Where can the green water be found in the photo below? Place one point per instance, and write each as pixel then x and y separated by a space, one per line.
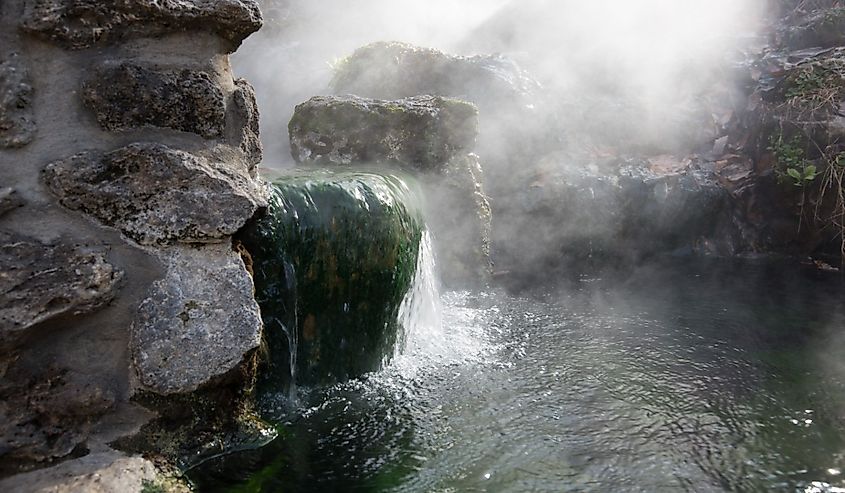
pixel 680 376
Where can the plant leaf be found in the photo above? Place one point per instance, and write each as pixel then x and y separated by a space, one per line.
pixel 793 173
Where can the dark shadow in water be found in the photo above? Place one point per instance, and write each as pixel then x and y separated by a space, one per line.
pixel 706 375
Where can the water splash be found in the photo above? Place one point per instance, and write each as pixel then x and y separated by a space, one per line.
pixel 420 314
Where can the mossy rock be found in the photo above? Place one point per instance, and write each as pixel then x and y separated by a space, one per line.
pixel 421 133
pixel 334 257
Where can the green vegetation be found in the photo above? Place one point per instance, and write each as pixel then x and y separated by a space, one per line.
pixel 791 161
pixel 817 84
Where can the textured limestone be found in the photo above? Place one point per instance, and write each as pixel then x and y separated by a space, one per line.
pixel 198 323
pixel 9 200
pixel 104 472
pixel 128 96
pixel 47 416
pixel 423 132
pixel 158 195
pixel 40 281
pixel 17 124
pixel 245 123
pixel 78 24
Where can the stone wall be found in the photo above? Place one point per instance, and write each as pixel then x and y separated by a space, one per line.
pixel 128 155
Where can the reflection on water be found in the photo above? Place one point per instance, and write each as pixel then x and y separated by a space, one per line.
pixel 715 376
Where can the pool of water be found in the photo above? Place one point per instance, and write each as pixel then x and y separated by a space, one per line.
pixel 679 376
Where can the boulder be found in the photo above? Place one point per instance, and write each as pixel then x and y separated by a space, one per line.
pixel 198 324
pixel 127 96
pixel 422 132
pixel 570 215
pixel 390 70
pixel 40 281
pixel 333 260
pixel 514 122
pixel 78 24
pixel 17 123
pixel 158 195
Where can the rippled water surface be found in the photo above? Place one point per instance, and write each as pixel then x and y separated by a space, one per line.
pixel 712 376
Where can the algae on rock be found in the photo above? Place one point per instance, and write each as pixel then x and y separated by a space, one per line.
pixel 333 260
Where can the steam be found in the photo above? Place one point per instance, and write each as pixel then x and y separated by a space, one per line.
pixel 290 59
pixel 618 79
pixel 653 57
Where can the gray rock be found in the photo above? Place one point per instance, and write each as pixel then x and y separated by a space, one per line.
pixel 102 472
pixel 78 24
pixel 568 215
pixel 821 28
pixel 423 132
pixel 9 200
pixel 158 195
pixel 40 281
pixel 198 323
pixel 17 124
pixel 515 121
pixel 47 415
pixel 128 96
pixel 390 70
pixel 246 121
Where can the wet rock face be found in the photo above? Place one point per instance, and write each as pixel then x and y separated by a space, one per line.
pixel 333 259
pixel 128 96
pixel 821 28
pixel 422 132
pixel 570 215
pixel 198 323
pixel 17 124
pixel 246 123
pixel 41 281
pixel 157 195
pixel 78 24
pixel 460 220
pixel 794 120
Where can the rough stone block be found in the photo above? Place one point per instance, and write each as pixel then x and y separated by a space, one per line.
pixel 423 132
pixel 17 124
pixel 128 96
pixel 158 195
pixel 78 24
pixel 40 281
pixel 246 121
pixel 198 323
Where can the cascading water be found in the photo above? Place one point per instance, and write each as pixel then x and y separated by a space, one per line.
pixel 420 317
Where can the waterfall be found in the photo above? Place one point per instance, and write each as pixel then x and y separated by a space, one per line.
pixel 420 314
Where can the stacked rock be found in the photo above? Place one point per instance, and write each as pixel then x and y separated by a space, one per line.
pixel 128 157
pixel 430 136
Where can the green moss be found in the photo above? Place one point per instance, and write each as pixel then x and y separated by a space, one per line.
pixel 333 258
